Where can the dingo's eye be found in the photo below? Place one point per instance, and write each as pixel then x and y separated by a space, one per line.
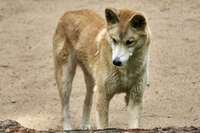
pixel 128 42
pixel 114 40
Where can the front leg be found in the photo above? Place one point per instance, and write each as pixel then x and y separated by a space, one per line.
pixel 134 108
pixel 102 108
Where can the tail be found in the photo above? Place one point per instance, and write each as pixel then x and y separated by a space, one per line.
pixel 59 51
pixel 58 39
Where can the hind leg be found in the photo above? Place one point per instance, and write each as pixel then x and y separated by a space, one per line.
pixel 64 76
pixel 85 122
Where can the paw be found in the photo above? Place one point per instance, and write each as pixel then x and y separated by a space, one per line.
pixel 67 127
pixel 85 126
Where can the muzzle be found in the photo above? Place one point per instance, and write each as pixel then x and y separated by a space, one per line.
pixel 117 62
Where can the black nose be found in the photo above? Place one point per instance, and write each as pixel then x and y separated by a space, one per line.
pixel 117 62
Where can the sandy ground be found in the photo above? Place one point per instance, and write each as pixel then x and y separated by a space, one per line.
pixel 28 91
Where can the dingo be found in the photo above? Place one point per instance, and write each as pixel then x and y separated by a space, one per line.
pixel 113 54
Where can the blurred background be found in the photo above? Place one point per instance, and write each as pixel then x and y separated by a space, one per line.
pixel 28 91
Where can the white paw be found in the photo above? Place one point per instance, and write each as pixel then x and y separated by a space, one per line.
pixel 85 127
pixel 67 127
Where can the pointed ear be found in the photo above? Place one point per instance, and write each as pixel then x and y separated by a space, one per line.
pixel 138 21
pixel 111 16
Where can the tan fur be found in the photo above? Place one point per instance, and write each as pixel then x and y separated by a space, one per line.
pixel 84 38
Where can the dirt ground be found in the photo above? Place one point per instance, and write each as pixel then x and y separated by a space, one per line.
pixel 28 91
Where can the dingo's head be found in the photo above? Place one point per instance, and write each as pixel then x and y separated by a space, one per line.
pixel 126 32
